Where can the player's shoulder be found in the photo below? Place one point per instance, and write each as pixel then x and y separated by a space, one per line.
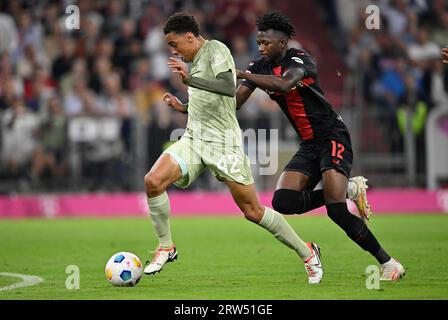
pixel 256 63
pixel 298 55
pixel 217 45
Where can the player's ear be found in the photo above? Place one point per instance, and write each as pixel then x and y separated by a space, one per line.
pixel 189 36
pixel 283 43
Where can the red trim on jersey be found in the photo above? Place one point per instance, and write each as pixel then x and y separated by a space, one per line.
pixel 277 71
pixel 296 108
pixel 308 81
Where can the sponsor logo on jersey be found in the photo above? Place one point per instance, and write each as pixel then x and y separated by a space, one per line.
pixel 298 60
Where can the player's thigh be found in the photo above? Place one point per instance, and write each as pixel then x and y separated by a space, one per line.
pixel 293 180
pixel 334 186
pixel 300 173
pixel 245 196
pixel 336 153
pixel 228 163
pixel 336 160
pixel 187 154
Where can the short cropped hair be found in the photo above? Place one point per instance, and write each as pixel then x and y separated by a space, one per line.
pixel 181 22
pixel 275 20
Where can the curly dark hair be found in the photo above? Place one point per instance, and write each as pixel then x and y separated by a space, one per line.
pixel 276 21
pixel 181 22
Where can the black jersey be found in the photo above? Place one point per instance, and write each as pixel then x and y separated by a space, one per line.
pixel 311 115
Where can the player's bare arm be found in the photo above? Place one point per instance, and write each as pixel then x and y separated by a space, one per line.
pixel 282 84
pixel 242 94
pixel 445 55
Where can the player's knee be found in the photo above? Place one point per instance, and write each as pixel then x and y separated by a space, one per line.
pixel 153 184
pixel 253 213
pixel 277 201
pixel 285 201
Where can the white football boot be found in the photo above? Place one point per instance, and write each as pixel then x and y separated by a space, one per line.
pixel 161 257
pixel 357 192
pixel 313 266
pixel 392 270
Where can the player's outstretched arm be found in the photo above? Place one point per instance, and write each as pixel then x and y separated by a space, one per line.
pixel 274 83
pixel 223 84
pixel 445 55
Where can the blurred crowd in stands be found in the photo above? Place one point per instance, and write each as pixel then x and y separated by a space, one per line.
pixel 114 65
pixel 399 67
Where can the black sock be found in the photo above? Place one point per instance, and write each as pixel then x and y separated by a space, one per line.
pixel 357 230
pixel 382 256
pixel 288 201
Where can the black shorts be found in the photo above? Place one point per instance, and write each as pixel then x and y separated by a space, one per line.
pixel 334 151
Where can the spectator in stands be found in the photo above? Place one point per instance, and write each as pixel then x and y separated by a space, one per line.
pixel 424 50
pixel 114 101
pixel 155 47
pixel 100 71
pixel 80 100
pixel 439 84
pixel 38 88
pixel 49 157
pixel 240 52
pixel 30 61
pixel 30 33
pixel 411 117
pixel 63 63
pixel 78 71
pixel 9 38
pixel 127 49
pixel 235 18
pixel 397 14
pixel 18 126
pixel 115 15
pixel 8 93
pixel 440 32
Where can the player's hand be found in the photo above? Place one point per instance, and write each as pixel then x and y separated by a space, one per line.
pixel 178 67
pixel 445 55
pixel 240 74
pixel 173 102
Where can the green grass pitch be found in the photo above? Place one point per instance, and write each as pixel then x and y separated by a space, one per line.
pixel 222 258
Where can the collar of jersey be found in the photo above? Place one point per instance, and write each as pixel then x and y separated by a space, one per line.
pixel 196 57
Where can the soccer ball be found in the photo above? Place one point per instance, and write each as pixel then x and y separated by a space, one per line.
pixel 124 269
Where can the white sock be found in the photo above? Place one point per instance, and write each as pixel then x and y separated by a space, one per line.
pixel 276 224
pixel 159 208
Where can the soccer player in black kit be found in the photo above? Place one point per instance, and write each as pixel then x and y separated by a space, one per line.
pixel 289 76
